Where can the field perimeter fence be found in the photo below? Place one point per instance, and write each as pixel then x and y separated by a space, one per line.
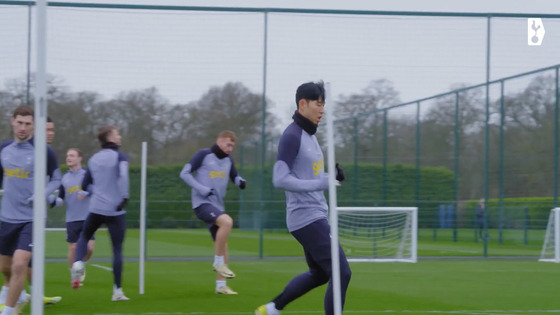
pixel 434 109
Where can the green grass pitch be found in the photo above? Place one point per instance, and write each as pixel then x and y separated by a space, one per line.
pixel 187 286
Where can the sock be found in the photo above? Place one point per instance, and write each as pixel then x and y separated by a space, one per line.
pixel 22 296
pixel 218 260
pixel 8 310
pixel 117 290
pixel 3 294
pixel 220 283
pixel 271 309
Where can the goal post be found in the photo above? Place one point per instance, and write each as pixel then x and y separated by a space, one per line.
pixel 379 234
pixel 551 246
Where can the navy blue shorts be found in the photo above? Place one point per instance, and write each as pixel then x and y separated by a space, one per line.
pixel 15 236
pixel 73 230
pixel 208 213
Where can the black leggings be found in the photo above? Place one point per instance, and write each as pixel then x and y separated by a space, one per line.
pixel 117 229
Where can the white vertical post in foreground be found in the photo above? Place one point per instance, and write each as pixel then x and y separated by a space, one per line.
pixel 142 257
pixel 333 215
pixel 40 171
pixel 557 234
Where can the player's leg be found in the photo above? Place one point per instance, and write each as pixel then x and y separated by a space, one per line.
pixel 92 223
pixel 6 266
pixel 317 242
pixel 73 231
pixel 224 223
pixel 21 261
pixel 90 248
pixel 315 239
pixel 310 238
pixel 117 229
pixel 345 275
pixel 8 244
pixel 220 225
pixel 221 281
pixel 20 264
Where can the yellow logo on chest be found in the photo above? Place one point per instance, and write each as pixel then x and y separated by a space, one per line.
pixel 217 174
pixel 318 166
pixel 16 172
pixel 73 189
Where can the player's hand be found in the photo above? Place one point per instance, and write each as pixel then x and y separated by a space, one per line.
pixel 242 184
pixel 82 195
pixel 51 200
pixel 29 201
pixel 339 173
pixel 211 192
pixel 121 206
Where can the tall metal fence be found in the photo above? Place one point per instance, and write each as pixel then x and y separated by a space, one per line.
pixel 433 109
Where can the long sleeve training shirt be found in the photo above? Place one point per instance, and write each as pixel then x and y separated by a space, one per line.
pixel 211 168
pixel 108 172
pixel 17 170
pixel 299 170
pixel 71 185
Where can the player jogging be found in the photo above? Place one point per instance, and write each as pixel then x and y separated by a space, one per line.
pixel 299 170
pixel 212 168
pixel 77 210
pixel 108 173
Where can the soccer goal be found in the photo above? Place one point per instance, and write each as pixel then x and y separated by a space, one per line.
pixel 378 234
pixel 551 247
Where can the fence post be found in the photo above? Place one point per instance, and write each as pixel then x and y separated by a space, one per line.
pixel 435 225
pixel 526 226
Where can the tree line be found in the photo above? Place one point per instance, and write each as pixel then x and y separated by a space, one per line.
pixel 452 127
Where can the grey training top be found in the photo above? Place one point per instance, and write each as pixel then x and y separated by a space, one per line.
pixel 108 172
pixel 17 165
pixel 76 210
pixel 212 170
pixel 299 170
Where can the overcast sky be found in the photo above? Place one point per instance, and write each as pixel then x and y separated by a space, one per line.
pixel 183 53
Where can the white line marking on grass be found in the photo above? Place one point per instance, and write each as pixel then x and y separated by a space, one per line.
pixel 111 269
pixel 466 312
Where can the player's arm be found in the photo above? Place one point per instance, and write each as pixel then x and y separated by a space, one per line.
pixel 234 176
pixel 4 144
pixel 123 180
pixel 57 200
pixel 192 166
pixel 87 185
pixel 283 177
pixel 53 172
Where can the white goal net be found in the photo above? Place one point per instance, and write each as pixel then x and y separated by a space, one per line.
pixel 551 246
pixel 378 234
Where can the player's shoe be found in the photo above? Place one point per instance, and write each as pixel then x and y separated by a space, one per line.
pixel 51 300
pixel 21 303
pixel 261 310
pixel 224 271
pixel 2 307
pixel 83 277
pixel 78 270
pixel 118 295
pixel 225 290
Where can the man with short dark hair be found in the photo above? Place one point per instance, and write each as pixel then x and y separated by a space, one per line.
pixel 16 216
pixel 212 168
pixel 50 130
pixel 299 170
